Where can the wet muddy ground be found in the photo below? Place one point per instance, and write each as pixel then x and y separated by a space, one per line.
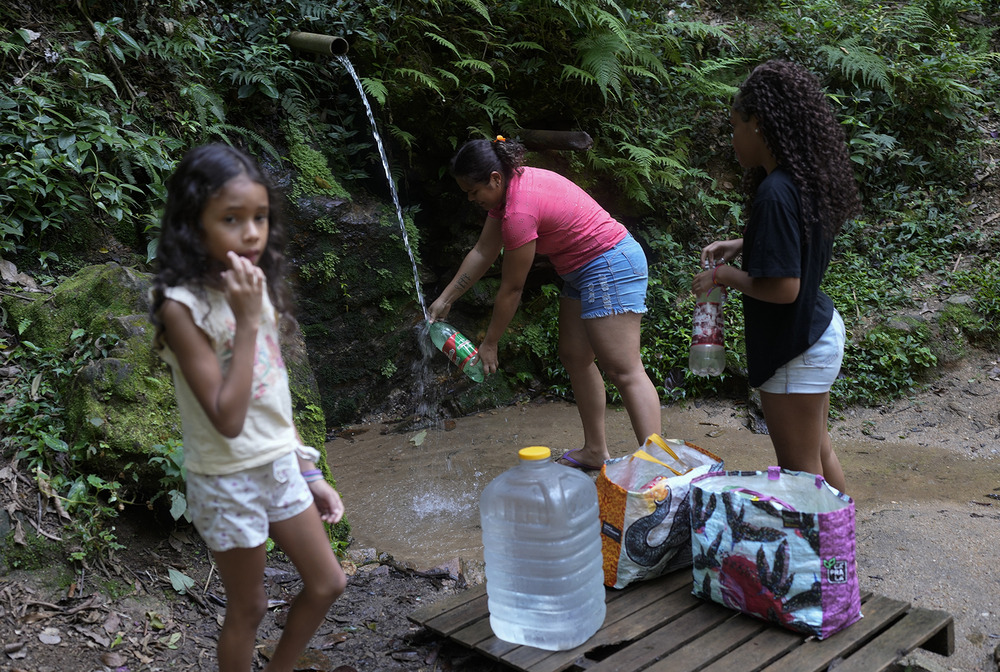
pixel 924 473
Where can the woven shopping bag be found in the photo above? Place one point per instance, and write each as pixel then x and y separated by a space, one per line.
pixel 778 545
pixel 643 501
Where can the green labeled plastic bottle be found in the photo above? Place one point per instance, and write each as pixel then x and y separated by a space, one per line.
pixel 459 349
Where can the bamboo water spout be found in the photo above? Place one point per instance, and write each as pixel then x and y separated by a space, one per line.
pixel 329 45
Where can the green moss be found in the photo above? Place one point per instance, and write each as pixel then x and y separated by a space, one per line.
pixel 315 176
pixel 37 553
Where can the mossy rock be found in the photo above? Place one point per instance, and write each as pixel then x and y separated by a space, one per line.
pixel 123 404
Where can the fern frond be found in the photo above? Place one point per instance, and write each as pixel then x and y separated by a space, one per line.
pixel 915 18
pixel 204 98
pixel 404 138
pixel 573 72
pixel 421 78
pixel 316 10
pixel 613 24
pixel 375 88
pixel 295 104
pixel 449 75
pixel 252 136
pixel 497 106
pixel 856 59
pixel 600 56
pixel 526 46
pixel 434 37
pixel 701 30
pixel 476 64
pixel 479 8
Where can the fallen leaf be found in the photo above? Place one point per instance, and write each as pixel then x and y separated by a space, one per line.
pixel 418 438
pixel 334 639
pixel 154 620
pixel 180 581
pixel 112 623
pixel 112 659
pixel 49 636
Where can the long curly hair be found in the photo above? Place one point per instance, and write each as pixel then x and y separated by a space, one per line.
pixel 181 256
pixel 476 160
pixel 799 128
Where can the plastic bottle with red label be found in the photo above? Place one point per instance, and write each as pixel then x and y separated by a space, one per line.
pixel 708 341
pixel 458 348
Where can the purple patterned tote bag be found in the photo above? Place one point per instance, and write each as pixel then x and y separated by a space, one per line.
pixel 778 545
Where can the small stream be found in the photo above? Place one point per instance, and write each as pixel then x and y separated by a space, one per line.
pixel 416 495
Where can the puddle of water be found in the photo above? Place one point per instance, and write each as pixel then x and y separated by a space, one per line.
pixel 420 503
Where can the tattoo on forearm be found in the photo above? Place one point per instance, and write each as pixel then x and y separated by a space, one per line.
pixel 462 282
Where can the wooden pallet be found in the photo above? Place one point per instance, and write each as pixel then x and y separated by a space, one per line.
pixel 658 626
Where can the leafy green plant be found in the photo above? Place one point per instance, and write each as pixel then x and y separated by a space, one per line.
pixel 886 363
pixel 33 432
pixel 171 460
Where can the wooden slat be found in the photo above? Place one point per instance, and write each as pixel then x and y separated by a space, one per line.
pixel 438 607
pixel 615 630
pixel 711 645
pixel 817 654
pixel 758 652
pixel 665 640
pixel 475 633
pixel 460 617
pixel 912 631
pixel 666 629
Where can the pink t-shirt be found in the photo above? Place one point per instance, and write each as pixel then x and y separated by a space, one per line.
pixel 567 224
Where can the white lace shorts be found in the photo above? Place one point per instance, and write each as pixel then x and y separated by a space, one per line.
pixel 236 510
pixel 816 369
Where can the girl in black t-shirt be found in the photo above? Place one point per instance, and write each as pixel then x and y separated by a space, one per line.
pixel 802 190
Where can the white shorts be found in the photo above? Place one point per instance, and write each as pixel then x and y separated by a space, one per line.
pixel 816 369
pixel 236 510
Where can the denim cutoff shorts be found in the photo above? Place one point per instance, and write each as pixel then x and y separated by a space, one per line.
pixel 816 369
pixel 236 510
pixel 613 283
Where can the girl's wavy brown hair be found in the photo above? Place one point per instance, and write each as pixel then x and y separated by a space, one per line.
pixel 799 128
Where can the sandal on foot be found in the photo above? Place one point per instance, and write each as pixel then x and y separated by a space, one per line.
pixel 576 464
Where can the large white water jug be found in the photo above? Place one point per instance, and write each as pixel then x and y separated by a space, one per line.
pixel 542 549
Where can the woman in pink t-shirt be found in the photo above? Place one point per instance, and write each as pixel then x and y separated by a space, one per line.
pixel 534 211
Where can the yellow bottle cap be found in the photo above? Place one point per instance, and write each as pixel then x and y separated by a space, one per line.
pixel 534 453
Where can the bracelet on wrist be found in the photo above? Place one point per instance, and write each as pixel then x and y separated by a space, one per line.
pixel 312 475
pixel 714 271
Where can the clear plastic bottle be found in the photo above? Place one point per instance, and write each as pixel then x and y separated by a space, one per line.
pixel 459 349
pixel 708 341
pixel 542 549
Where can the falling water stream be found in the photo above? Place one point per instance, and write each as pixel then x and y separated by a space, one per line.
pixel 421 367
pixel 346 62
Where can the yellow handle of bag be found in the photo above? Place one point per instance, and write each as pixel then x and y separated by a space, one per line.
pixel 643 455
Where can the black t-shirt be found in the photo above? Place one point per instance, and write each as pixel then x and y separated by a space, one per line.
pixel 775 246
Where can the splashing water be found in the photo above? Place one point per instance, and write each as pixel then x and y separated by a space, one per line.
pixel 388 176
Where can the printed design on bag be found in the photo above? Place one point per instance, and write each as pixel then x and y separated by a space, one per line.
pixel 637 535
pixel 746 531
pixel 701 511
pixel 757 586
pixel 836 570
